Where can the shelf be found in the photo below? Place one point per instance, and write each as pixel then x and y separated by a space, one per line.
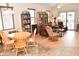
pixel 42 20
pixel 26 22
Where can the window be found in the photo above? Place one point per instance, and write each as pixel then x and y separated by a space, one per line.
pixel 1 28
pixel 68 19
pixel 32 13
pixel 6 20
pixel 48 12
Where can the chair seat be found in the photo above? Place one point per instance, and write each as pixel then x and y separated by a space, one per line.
pixel 21 45
pixel 55 34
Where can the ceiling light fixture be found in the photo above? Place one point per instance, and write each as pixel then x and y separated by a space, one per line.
pixel 59 6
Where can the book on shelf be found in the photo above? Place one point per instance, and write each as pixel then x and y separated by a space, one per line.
pixel 26 21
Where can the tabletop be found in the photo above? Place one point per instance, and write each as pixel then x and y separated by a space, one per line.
pixel 12 34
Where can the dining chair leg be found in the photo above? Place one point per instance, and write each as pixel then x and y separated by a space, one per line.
pixel 25 50
pixel 5 47
pixel 17 52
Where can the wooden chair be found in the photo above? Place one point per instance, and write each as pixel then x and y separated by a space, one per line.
pixel 33 38
pixel 35 31
pixel 52 35
pixel 21 41
pixel 34 34
pixel 8 44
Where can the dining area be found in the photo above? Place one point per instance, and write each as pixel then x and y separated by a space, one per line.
pixel 18 42
pixel 26 30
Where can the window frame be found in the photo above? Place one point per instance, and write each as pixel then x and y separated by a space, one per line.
pixel 32 9
pixel 3 29
pixel 34 13
pixel 48 15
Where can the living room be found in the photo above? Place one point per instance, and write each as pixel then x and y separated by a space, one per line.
pixel 52 28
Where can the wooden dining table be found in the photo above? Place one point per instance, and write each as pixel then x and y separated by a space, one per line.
pixel 30 39
pixel 12 34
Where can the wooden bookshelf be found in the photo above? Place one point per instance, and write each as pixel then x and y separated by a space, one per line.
pixel 42 21
pixel 26 21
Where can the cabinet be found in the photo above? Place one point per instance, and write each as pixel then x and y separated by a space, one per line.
pixel 26 21
pixel 42 21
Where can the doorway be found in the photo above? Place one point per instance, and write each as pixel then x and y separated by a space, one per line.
pixel 68 19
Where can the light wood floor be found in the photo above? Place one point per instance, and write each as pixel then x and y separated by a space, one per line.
pixel 69 39
pixel 68 45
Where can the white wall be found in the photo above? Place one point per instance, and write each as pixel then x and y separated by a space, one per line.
pixel 67 8
pixel 19 7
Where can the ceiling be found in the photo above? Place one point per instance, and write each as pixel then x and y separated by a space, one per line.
pixel 64 4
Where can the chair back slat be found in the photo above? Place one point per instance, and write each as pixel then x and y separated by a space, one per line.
pixel 4 37
pixel 21 38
